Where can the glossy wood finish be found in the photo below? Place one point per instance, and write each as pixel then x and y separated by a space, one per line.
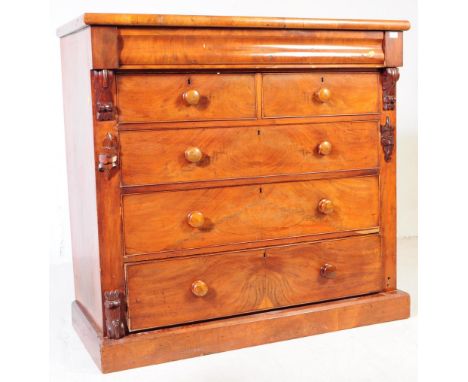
pixel 393 48
pixel 294 94
pixel 154 157
pixel 107 190
pixel 388 203
pixel 146 98
pixel 105 47
pixel 157 221
pixel 236 165
pixel 146 20
pixel 250 330
pixel 187 47
pixel 161 293
pixel 79 137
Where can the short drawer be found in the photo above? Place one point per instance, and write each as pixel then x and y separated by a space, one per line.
pixel 185 97
pixel 154 157
pixel 310 94
pixel 175 291
pixel 176 220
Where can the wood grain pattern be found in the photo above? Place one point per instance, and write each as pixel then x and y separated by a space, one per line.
pixel 247 180
pixel 105 46
pixel 388 201
pixel 294 94
pixel 79 135
pixel 146 98
pixel 193 340
pixel 143 98
pixel 155 20
pixel 158 221
pixel 107 191
pixel 188 46
pixel 393 48
pixel 155 157
pixel 248 245
pixel 128 126
pixel 159 293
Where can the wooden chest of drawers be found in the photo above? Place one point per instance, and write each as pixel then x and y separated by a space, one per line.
pixel 231 180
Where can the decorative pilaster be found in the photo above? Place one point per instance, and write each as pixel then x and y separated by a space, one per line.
pixel 389 78
pixel 113 309
pixel 105 108
pixel 387 139
pixel 108 156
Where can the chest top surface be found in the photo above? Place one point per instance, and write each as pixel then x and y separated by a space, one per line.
pixel 155 20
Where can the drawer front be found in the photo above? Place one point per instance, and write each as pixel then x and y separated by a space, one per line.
pixel 301 95
pixel 175 291
pixel 176 220
pixel 185 97
pixel 152 157
pixel 230 47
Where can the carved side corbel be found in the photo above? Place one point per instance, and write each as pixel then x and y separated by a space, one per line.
pixel 387 139
pixel 390 77
pixel 103 81
pixel 114 313
pixel 109 156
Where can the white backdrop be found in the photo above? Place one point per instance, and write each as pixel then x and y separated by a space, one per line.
pixel 63 11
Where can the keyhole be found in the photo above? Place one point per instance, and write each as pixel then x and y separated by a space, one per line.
pixel 189 81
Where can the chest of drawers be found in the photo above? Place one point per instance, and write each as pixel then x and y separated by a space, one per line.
pixel 231 180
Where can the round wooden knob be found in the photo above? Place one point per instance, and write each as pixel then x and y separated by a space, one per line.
pixel 323 95
pixel 324 148
pixel 195 219
pixel 193 154
pixel 325 206
pixel 192 97
pixel 328 271
pixel 199 288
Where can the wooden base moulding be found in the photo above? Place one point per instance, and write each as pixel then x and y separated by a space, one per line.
pixel 186 341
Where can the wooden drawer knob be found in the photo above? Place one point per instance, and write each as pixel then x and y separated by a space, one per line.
pixel 328 271
pixel 193 154
pixel 325 206
pixel 199 288
pixel 192 97
pixel 324 148
pixel 323 95
pixel 195 219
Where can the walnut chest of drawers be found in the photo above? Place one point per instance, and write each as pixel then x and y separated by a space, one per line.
pixel 231 180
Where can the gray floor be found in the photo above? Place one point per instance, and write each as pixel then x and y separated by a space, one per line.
pixel 384 352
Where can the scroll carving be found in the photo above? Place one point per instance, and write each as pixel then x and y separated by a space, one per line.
pixel 113 308
pixel 105 109
pixel 387 139
pixel 108 157
pixel 390 77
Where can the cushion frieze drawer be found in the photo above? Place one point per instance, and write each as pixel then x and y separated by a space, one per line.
pixel 320 93
pixel 185 97
pixel 175 220
pixel 152 157
pixel 174 291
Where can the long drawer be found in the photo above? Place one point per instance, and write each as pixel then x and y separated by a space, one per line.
pixel 175 220
pixel 152 157
pixel 175 291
